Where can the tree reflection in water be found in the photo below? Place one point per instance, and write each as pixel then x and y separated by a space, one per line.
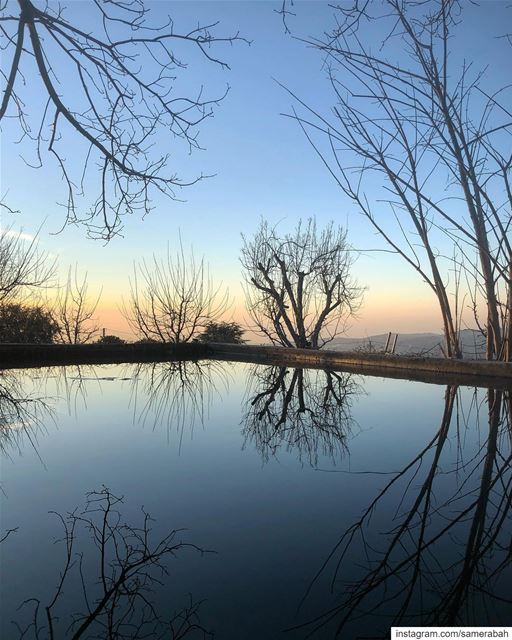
pixel 302 410
pixel 444 554
pixel 433 547
pixel 112 581
pixel 177 395
pixel 25 413
pixel 73 383
pixel 22 415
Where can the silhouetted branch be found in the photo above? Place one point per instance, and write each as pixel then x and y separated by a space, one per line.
pixel 299 287
pixel 419 123
pixel 111 92
pixel 8 533
pixel 73 311
pixel 173 299
pixel 24 268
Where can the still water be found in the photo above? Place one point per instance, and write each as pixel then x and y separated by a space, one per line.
pixel 177 500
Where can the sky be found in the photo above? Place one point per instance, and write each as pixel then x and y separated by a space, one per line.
pixel 261 165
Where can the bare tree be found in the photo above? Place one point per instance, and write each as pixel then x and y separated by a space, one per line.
pixel 173 299
pixel 23 266
pixel 299 287
pixel 438 138
pixel 74 311
pixel 111 91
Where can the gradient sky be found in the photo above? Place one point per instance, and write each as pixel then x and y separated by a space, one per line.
pixel 263 165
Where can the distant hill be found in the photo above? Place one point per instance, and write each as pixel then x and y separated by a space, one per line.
pixel 473 343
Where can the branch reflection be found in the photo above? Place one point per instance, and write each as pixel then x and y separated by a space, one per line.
pixel 109 579
pixel 440 554
pixel 28 399
pixel 176 394
pixel 23 414
pixel 73 382
pixel 302 410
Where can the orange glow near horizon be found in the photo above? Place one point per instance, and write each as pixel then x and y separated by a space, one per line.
pixel 380 313
pixel 111 319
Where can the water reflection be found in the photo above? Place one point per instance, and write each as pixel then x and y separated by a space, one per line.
pixel 440 553
pixel 176 395
pixel 301 410
pixel 116 567
pixel 431 546
pixel 73 383
pixel 28 400
pixel 304 411
pixel 23 416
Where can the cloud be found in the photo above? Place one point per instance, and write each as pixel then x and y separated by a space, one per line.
pixel 12 233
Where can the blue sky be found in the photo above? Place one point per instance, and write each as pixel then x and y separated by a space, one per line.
pixel 263 165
